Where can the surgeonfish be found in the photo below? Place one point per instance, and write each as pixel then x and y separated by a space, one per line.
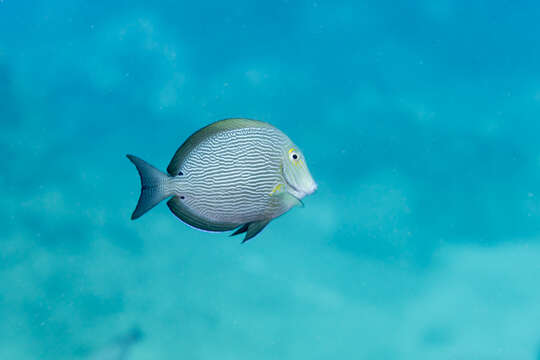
pixel 232 174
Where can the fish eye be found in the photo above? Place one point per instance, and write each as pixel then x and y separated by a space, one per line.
pixel 294 155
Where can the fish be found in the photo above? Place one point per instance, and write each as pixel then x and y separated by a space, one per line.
pixel 120 347
pixel 232 174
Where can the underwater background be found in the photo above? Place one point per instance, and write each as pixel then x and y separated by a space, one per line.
pixel 419 121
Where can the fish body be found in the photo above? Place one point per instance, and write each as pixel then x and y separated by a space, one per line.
pixel 234 173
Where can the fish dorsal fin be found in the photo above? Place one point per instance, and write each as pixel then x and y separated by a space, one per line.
pixel 200 135
pixel 251 229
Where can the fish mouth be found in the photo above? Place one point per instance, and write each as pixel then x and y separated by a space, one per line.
pixel 297 192
pixel 294 187
pixel 313 189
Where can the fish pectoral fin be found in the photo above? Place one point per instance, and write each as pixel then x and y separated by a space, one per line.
pixel 289 199
pixel 251 229
pixel 278 189
pixel 280 192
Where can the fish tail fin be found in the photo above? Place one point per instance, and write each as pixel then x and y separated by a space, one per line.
pixel 154 186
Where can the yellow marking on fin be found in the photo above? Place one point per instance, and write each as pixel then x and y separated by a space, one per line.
pixel 276 188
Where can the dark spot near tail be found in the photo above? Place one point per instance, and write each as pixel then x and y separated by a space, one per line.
pixel 180 173
pixel 182 197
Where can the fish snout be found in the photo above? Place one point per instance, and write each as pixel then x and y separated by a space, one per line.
pixel 312 188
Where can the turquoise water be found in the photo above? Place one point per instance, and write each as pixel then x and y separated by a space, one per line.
pixel 420 124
